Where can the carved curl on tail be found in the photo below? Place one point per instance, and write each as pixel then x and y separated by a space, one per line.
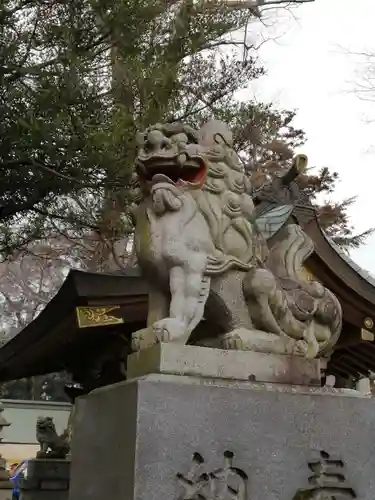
pixel 287 260
pixel 282 301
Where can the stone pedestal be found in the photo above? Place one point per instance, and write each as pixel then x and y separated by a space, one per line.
pixel 5 485
pixel 6 488
pixel 4 474
pixel 167 437
pixel 47 479
pixel 177 359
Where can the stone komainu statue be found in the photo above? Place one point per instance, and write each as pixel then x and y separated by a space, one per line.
pixel 51 444
pixel 199 246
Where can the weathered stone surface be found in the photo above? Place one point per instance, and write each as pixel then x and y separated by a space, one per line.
pixel 36 484
pixel 6 485
pixel 54 484
pixel 48 469
pixel 44 495
pixel 226 364
pixel 47 479
pixel 4 474
pixel 131 440
pixel 202 245
pixel 6 490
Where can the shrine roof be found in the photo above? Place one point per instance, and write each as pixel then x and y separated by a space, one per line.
pixel 366 275
pixel 57 338
pixel 338 271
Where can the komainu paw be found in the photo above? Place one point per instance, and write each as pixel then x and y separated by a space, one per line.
pixel 170 330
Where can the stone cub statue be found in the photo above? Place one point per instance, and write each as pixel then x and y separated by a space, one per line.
pixel 51 444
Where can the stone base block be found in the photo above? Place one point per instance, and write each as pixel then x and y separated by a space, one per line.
pixel 44 495
pixel 6 488
pixel 170 358
pixel 48 469
pixel 182 438
pixel 47 479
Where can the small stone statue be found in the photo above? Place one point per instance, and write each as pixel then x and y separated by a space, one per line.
pixel 200 246
pixel 51 444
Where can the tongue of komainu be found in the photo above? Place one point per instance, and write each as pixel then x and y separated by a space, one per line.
pixel 161 178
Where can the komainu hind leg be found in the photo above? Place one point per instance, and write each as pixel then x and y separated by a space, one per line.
pixel 242 339
pixel 251 324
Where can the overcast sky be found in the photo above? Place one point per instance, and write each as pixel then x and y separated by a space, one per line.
pixel 308 70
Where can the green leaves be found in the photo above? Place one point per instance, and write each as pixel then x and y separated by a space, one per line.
pixel 77 79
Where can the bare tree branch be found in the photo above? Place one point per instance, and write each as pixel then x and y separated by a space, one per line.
pixel 255 5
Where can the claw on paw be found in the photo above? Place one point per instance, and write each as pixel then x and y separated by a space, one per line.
pixel 142 339
pixel 170 330
pixel 257 340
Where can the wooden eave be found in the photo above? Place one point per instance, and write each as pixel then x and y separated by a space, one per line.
pixel 54 341
pixel 355 290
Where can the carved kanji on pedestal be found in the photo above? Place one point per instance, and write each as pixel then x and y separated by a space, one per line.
pixel 225 483
pixel 327 481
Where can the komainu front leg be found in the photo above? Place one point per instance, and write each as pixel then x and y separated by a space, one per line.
pixel 189 292
pixel 158 303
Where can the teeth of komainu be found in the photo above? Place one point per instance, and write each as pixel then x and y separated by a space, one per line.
pixel 181 159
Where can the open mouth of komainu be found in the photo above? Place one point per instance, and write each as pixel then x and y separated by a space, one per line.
pixel 180 170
